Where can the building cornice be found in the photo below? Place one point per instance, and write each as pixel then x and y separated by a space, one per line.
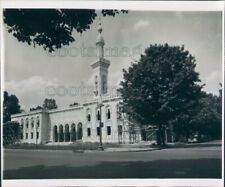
pixel 30 113
pixel 65 109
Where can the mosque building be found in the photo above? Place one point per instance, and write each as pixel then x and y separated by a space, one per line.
pixel 86 121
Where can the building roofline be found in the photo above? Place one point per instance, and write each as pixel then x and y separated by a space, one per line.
pixel 65 109
pixel 105 98
pixel 28 113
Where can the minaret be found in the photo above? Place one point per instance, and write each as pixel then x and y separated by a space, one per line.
pixel 100 67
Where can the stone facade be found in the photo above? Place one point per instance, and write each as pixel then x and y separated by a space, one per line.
pixel 80 122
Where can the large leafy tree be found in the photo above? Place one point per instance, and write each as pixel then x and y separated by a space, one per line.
pixel 10 106
pixel 50 28
pixel 162 86
pixel 208 116
pixel 205 119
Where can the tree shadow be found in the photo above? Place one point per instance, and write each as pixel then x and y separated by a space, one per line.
pixel 190 168
pixel 200 145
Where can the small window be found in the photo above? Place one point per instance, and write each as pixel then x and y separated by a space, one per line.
pixel 32 135
pixel 104 89
pixel 108 130
pixel 21 136
pixel 88 114
pixel 98 131
pixel 96 80
pixel 89 117
pixel 96 84
pixel 98 115
pixel 32 122
pixel 27 123
pixel 37 135
pixel 38 122
pixel 26 135
pixel 88 131
pixel 108 114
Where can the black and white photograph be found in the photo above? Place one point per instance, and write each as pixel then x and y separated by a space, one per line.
pixel 112 94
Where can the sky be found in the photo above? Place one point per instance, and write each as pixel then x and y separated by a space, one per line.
pixel 33 74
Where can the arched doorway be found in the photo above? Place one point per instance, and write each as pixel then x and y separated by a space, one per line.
pixel 79 131
pixel 55 134
pixel 61 134
pixel 67 133
pixel 73 132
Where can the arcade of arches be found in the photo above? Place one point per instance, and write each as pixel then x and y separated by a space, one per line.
pixel 67 133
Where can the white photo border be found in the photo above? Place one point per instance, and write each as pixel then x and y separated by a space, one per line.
pixel 130 5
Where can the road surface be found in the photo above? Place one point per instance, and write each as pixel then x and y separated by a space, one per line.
pixel 197 161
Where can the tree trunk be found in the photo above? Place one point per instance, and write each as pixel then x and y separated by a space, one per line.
pixel 161 136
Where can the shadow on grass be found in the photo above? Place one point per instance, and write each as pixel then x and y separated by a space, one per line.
pixel 193 168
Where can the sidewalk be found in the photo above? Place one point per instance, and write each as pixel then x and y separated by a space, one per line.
pixel 132 149
pixel 146 147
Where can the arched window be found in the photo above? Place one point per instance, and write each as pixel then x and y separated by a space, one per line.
pixel 61 133
pixel 55 134
pixel 88 114
pixel 22 123
pixel 79 131
pixel 38 121
pixel 27 123
pixel 32 122
pixel 108 112
pixel 73 132
pixel 98 115
pixel 67 133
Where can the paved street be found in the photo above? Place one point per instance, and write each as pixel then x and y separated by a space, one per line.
pixel 194 161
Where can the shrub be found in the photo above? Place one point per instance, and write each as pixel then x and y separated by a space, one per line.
pixel 11 133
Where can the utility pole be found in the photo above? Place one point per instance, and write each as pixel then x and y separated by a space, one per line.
pixel 36 133
pixel 100 105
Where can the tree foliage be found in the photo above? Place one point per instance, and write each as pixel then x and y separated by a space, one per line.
pixel 50 28
pixel 74 104
pixel 49 104
pixel 162 86
pixel 10 106
pixel 208 117
pixel 36 108
pixel 11 133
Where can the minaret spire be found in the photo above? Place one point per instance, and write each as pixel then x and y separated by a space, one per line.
pixel 100 66
pixel 100 42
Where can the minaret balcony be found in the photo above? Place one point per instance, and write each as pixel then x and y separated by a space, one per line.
pixel 102 62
